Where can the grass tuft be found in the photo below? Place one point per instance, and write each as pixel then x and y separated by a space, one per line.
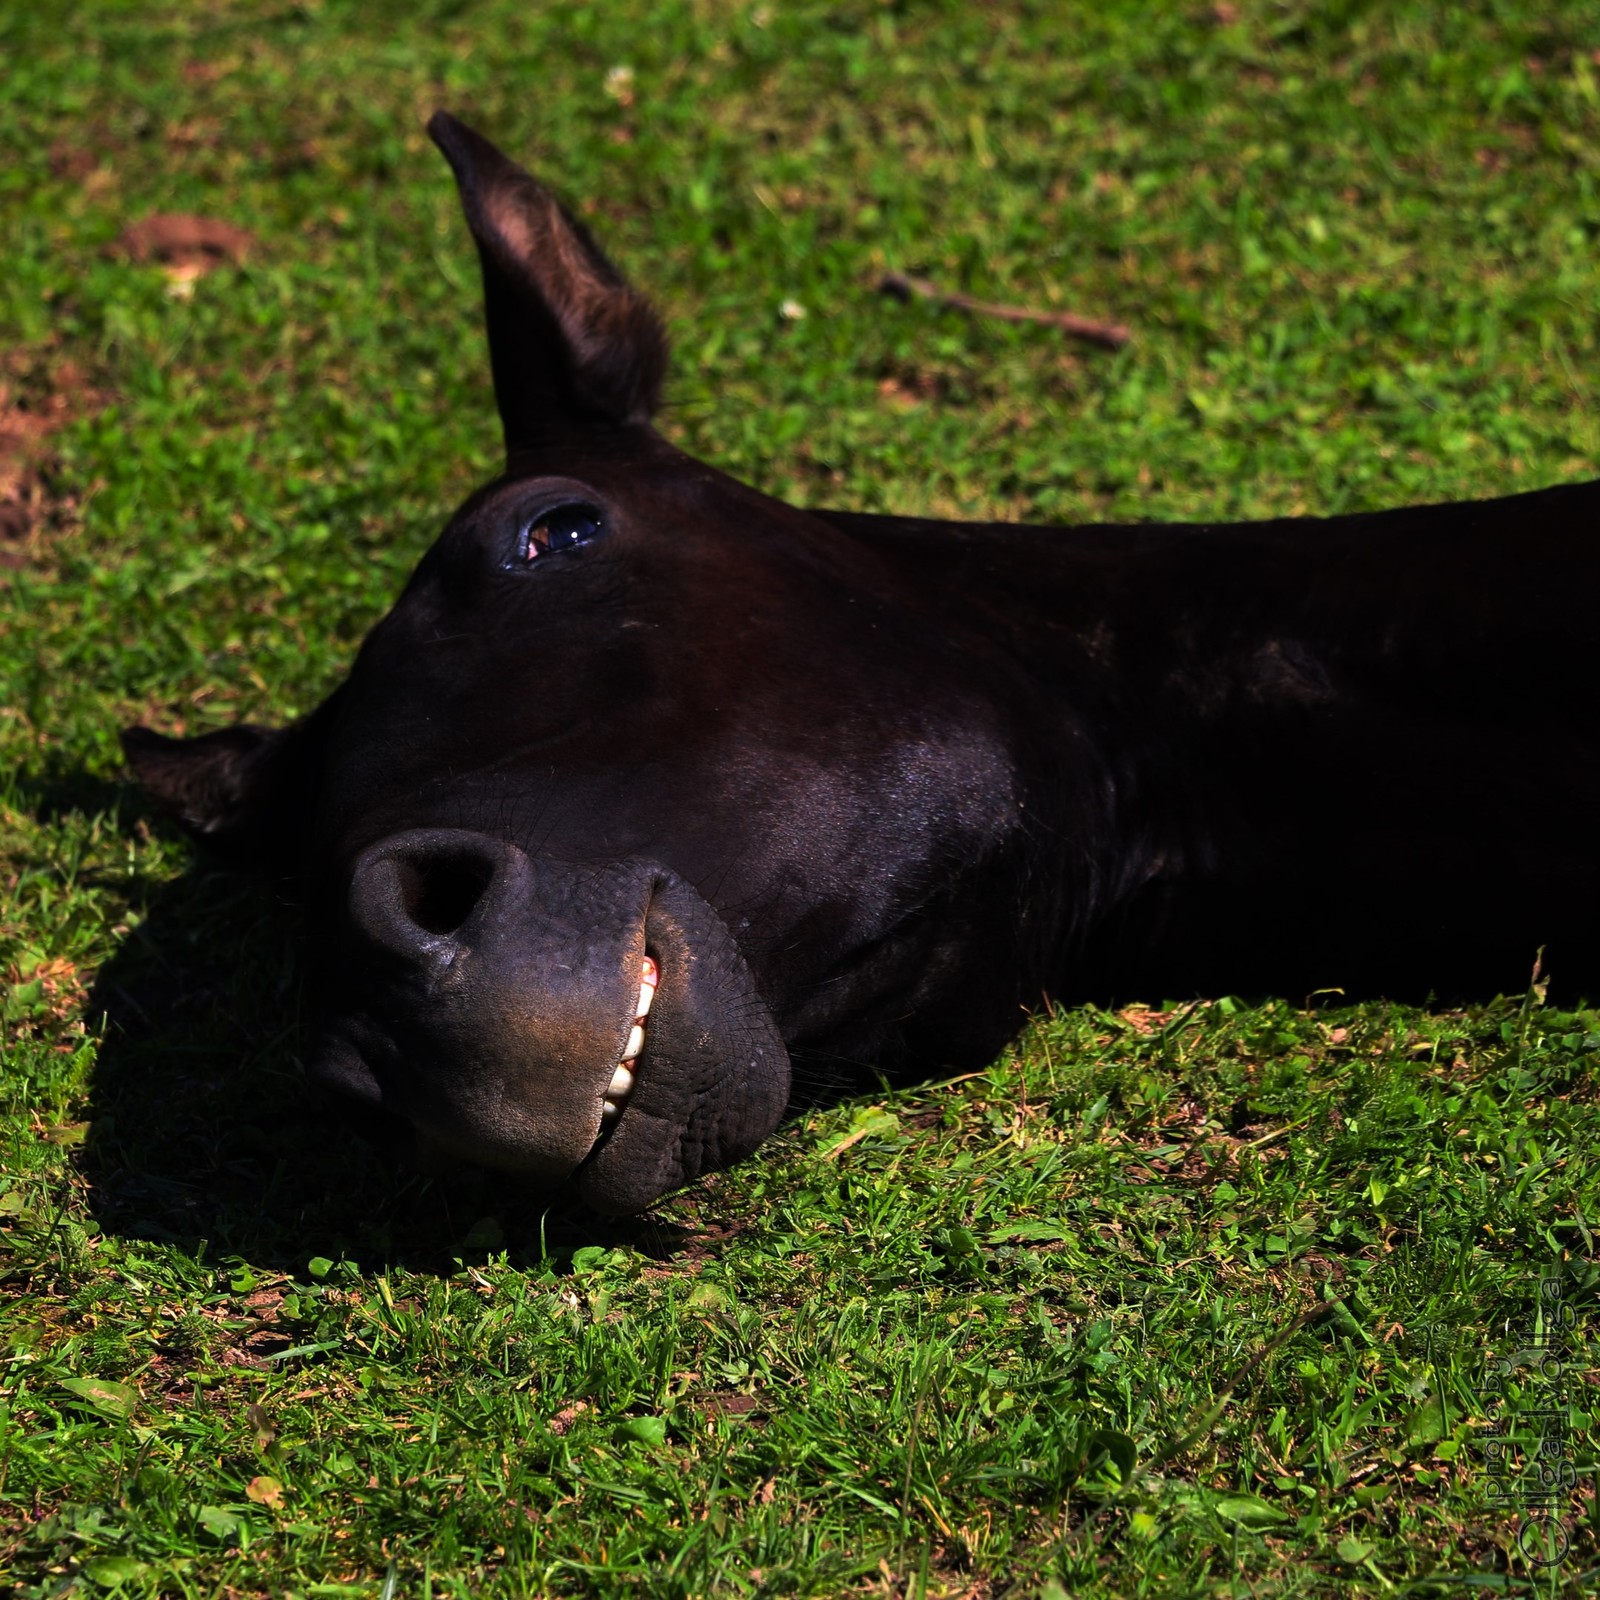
pixel 1186 1299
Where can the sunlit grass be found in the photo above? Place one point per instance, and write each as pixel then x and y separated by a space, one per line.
pixel 1190 1299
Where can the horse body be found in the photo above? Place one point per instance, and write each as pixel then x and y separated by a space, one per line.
pixel 650 781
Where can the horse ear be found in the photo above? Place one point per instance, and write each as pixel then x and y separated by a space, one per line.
pixel 234 789
pixel 570 342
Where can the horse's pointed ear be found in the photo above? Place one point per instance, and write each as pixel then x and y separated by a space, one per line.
pixel 212 784
pixel 242 789
pixel 570 342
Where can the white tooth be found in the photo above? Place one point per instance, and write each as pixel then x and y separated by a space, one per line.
pixel 608 1108
pixel 621 1085
pixel 635 1043
pixel 647 993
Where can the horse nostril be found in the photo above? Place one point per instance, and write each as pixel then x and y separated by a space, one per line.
pixel 438 894
pixel 414 894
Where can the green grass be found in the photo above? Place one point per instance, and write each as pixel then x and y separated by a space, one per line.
pixel 1043 1331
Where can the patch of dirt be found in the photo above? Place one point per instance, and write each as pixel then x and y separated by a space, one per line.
pixel 185 247
pixel 264 1304
pixel 733 1405
pixel 906 386
pixel 259 1347
pixel 22 495
pixel 71 161
pixel 31 409
pixel 1318 1267
pixel 199 133
pixel 567 1415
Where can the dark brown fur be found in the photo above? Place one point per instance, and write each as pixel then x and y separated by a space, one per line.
pixel 867 786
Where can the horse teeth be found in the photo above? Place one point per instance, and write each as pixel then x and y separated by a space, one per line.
pixel 622 1079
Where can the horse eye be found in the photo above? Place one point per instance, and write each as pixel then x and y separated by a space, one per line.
pixel 563 527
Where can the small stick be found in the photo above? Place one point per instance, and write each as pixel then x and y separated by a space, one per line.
pixel 1108 335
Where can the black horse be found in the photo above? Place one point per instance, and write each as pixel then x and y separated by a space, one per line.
pixel 648 779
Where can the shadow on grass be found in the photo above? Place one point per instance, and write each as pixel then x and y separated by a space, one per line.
pixel 205 1132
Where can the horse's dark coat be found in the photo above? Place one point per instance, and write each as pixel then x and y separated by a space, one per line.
pixel 866 786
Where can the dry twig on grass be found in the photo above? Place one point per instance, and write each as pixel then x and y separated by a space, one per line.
pixel 1108 335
